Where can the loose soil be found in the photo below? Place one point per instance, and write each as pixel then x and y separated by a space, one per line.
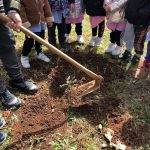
pixel 45 112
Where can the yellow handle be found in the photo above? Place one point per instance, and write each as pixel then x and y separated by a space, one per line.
pixel 55 50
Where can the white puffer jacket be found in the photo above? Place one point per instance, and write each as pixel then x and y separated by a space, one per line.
pixel 117 11
pixel 79 10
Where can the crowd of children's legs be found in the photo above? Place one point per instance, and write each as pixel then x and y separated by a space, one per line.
pixel 63 15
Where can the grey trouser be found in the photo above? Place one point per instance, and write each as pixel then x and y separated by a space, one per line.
pixel 129 37
pixel 8 55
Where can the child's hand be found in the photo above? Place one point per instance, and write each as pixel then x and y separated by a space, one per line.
pixel 49 24
pixel 107 8
pixel 72 7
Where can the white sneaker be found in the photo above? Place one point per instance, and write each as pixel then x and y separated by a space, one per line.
pixel 80 39
pixel 92 41
pixel 67 38
pixel 117 51
pixel 25 61
pixel 110 48
pixel 98 41
pixel 43 57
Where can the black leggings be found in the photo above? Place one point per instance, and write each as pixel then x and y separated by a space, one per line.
pixel 116 37
pixel 61 32
pixel 78 28
pixel 29 42
pixel 100 28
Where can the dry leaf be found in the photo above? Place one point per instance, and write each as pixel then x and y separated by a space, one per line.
pixel 109 134
pixel 100 127
pixel 120 146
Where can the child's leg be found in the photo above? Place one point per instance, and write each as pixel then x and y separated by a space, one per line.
pixel 94 36
pixel 27 46
pixel 118 37
pixel 101 29
pixel 129 36
pixel 68 29
pixel 38 46
pixel 113 37
pixel 118 40
pixel 78 29
pixel 52 35
pixel 61 32
pixel 94 32
pixel 140 36
pixel 111 46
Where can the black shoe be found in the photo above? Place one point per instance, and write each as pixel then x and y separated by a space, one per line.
pixel 135 60
pixel 24 85
pixel 8 100
pixel 126 56
pixel 3 137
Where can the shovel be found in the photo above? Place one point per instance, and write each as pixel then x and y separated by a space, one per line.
pixel 86 88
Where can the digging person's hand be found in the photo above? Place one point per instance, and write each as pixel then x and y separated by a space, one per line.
pixel 15 21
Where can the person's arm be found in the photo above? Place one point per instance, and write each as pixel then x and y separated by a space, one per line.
pixel 48 13
pixel 145 11
pixel 11 5
pixel 23 15
pixel 12 10
pixel 71 1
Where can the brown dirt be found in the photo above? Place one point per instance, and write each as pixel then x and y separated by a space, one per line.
pixel 44 112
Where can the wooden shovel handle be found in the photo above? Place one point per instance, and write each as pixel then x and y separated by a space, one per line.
pixel 55 50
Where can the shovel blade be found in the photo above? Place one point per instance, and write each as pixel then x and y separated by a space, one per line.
pixel 87 88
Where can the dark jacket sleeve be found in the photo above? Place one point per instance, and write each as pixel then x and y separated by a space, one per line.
pixel 11 5
pixel 71 1
pixel 145 12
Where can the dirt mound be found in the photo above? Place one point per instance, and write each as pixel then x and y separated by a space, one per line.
pixel 43 113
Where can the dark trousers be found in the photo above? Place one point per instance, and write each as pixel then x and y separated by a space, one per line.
pixel 8 55
pixel 140 36
pixel 78 28
pixel 100 29
pixel 61 32
pixel 29 42
pixel 116 37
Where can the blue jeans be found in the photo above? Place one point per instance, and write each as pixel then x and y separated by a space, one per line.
pixel 147 57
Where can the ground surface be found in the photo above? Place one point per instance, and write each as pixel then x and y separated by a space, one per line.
pixel 55 119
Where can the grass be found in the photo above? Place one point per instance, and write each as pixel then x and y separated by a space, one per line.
pixel 135 96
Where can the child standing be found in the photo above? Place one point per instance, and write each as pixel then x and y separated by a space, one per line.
pixel 116 23
pixel 76 17
pixel 137 12
pixel 60 9
pixel 144 67
pixel 35 14
pixel 94 8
